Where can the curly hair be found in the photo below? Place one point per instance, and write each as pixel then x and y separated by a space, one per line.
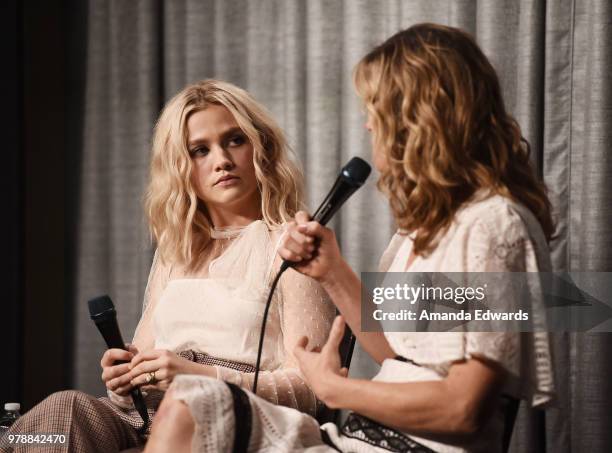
pixel 178 220
pixel 440 123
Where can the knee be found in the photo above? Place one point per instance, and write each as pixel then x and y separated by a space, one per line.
pixel 64 396
pixel 55 412
pixel 71 404
pixel 174 412
pixel 66 399
pixel 172 425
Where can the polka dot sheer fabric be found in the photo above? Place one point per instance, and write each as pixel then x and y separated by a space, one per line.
pixel 218 309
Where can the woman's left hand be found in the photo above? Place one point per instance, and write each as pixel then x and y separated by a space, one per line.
pixel 323 369
pixel 156 369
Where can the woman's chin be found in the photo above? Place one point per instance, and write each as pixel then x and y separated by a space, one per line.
pixel 234 199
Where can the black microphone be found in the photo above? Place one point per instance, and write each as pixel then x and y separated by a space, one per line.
pixel 102 312
pixel 351 177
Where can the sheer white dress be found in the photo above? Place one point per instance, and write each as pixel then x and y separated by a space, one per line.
pixel 218 309
pixel 489 234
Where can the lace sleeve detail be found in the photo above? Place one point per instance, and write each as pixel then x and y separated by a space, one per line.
pixel 144 338
pixel 305 310
pixel 493 240
pixel 503 244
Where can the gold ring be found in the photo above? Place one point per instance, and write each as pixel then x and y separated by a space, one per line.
pixel 150 377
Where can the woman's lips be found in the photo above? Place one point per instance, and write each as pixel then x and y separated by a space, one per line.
pixel 229 181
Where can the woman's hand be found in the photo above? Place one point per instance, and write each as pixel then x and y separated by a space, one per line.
pixel 156 369
pixel 114 376
pixel 311 246
pixel 323 369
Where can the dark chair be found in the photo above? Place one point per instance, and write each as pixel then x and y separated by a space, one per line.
pixel 510 408
pixel 325 414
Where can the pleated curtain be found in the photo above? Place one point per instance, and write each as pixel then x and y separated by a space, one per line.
pixel 296 57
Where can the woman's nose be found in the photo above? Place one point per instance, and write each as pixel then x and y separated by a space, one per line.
pixel 222 158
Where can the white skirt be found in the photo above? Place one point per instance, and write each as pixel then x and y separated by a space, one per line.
pixel 274 428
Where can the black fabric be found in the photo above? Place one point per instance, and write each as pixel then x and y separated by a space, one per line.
pixel 367 430
pixel 243 419
pixel 326 439
pixel 404 359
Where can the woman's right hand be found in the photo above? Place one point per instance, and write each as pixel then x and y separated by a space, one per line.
pixel 311 247
pixel 116 377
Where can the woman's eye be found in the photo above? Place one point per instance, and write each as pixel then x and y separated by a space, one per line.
pixel 201 151
pixel 237 140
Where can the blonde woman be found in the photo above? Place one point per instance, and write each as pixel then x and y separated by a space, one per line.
pixel 456 171
pixel 222 184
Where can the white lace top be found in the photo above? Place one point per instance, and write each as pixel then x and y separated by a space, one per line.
pixel 491 234
pixel 218 311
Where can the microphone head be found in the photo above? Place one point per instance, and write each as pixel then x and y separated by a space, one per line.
pixel 99 306
pixel 356 171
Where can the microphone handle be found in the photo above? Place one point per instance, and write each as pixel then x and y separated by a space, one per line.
pixel 110 332
pixel 334 200
pixel 112 336
pixel 336 197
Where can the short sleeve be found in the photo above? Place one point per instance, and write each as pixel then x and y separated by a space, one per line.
pixel 510 241
pixel 505 242
pixel 502 239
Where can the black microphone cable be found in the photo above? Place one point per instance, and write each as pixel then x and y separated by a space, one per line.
pixel 262 333
pixel 352 176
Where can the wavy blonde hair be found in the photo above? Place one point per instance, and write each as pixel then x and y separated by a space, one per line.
pixel 440 123
pixel 178 220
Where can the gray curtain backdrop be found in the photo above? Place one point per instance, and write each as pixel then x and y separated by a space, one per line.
pixel 296 57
